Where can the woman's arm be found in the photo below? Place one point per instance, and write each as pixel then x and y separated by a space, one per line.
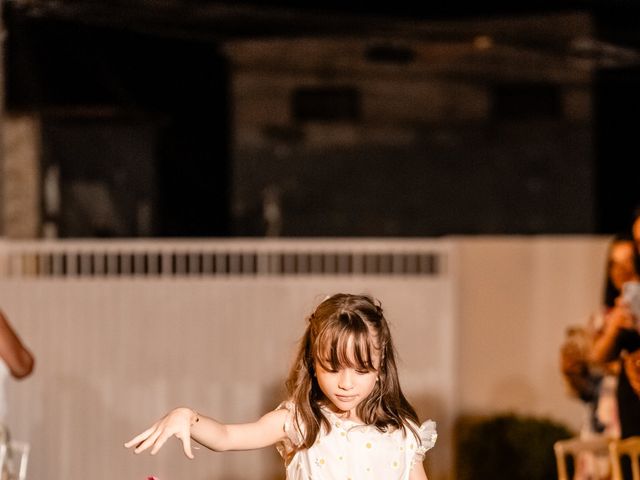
pixel 185 424
pixel 604 346
pixel 417 472
pixel 13 352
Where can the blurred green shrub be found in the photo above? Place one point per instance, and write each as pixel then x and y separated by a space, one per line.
pixel 507 447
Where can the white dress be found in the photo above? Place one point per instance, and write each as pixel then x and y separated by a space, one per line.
pixel 351 451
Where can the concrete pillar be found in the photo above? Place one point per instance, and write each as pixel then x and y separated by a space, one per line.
pixel 2 101
pixel 19 164
pixel 22 199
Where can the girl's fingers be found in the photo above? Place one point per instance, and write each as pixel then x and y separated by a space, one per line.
pixel 149 441
pixel 185 438
pixel 186 444
pixel 160 440
pixel 139 438
pixel 157 435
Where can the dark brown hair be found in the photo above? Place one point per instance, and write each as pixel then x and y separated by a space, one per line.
pixel 611 292
pixel 338 322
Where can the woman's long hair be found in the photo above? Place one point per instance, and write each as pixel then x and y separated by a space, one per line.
pixel 611 292
pixel 347 331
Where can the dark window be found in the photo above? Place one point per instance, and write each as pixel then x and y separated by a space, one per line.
pixel 390 54
pixel 526 100
pixel 326 104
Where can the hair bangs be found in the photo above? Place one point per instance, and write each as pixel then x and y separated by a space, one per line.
pixel 346 343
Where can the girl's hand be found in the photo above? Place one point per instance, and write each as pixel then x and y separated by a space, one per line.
pixel 176 423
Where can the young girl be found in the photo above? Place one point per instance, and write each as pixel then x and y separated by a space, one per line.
pixel 346 416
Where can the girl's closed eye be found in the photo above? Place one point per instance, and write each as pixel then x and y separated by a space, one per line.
pixel 359 371
pixel 327 367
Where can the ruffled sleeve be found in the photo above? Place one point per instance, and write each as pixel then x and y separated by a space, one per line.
pixel 294 437
pixel 428 436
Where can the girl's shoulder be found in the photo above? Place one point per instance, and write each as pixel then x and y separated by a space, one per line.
pixel 292 425
pixel 291 409
pixel 428 434
pixel 287 405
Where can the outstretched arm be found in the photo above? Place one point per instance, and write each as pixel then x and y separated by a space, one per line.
pixel 186 424
pixel 13 352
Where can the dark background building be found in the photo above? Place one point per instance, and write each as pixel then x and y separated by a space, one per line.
pixel 212 118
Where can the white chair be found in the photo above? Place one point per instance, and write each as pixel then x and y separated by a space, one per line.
pixel 598 446
pixel 629 447
pixel 14 456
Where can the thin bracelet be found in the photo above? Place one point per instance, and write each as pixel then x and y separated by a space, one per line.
pixel 197 418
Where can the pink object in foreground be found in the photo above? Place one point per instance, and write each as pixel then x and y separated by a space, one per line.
pixel 152 478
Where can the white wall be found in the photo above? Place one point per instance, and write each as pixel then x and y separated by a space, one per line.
pixel 517 296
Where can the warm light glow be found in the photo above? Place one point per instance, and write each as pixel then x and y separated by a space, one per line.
pixel 483 42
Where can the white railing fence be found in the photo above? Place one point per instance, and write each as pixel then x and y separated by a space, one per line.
pixel 240 257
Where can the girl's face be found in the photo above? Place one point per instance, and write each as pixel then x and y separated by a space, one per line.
pixel 621 268
pixel 346 387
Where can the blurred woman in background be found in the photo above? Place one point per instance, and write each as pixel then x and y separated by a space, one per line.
pixel 594 381
pixel 618 340
pixel 16 360
pixel 619 337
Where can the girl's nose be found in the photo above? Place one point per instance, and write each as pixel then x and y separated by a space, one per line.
pixel 345 381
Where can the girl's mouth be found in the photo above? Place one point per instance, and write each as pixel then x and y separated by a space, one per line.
pixel 346 398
